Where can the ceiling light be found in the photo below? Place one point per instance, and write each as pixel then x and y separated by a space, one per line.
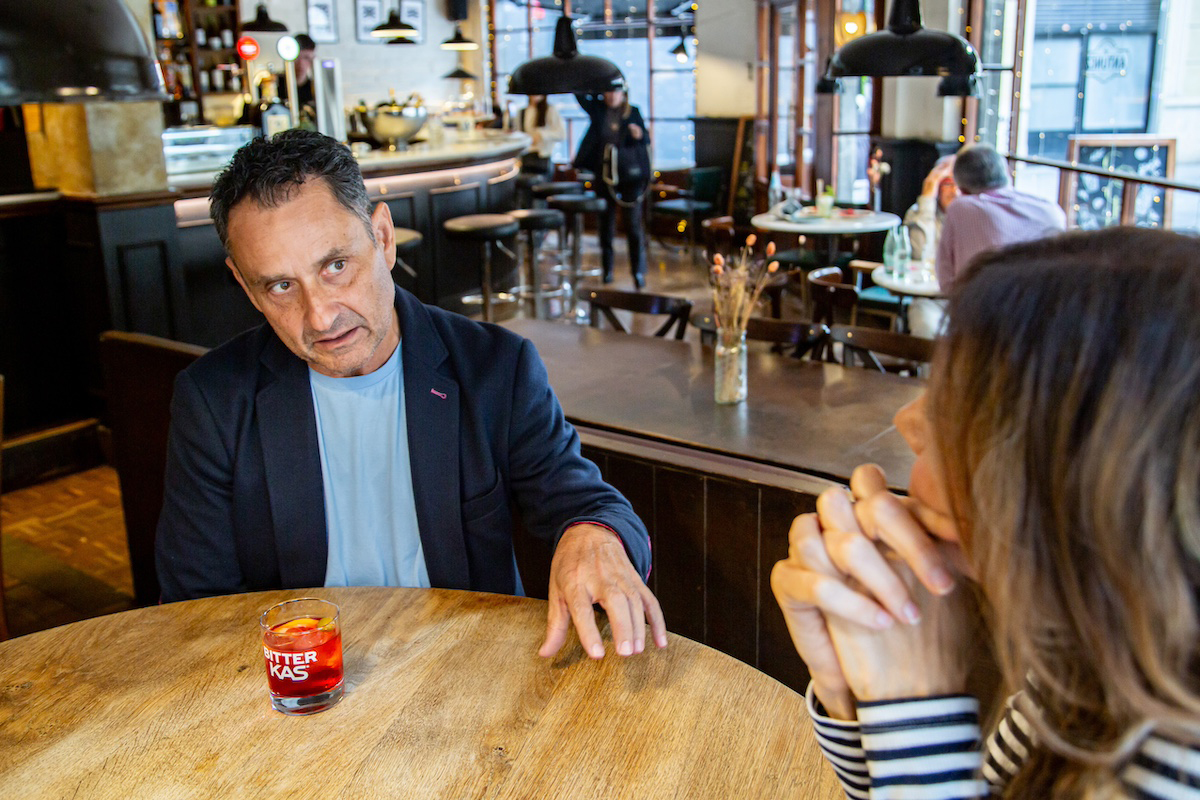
pixel 680 51
pixel 567 71
pixel 393 28
pixel 262 22
pixel 458 41
pixel 67 51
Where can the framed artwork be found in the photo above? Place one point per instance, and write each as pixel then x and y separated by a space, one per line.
pixel 1090 199
pixel 322 21
pixel 413 13
pixel 368 14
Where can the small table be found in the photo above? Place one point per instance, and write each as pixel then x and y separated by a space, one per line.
pixel 445 697
pixel 906 285
pixel 833 226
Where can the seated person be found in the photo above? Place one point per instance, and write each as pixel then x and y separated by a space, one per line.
pixel 1057 473
pixel 360 438
pixel 545 126
pixel 924 217
pixel 990 213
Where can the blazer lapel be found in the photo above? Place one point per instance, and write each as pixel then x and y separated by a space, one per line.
pixel 292 461
pixel 432 420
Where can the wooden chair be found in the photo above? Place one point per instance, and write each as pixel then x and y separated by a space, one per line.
pixel 3 614
pixel 139 378
pixel 830 293
pixel 802 337
pixel 904 353
pixel 602 302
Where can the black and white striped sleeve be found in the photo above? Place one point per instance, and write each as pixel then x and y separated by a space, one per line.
pixel 923 749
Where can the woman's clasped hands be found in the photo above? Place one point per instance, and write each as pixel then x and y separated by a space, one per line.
pixel 874 597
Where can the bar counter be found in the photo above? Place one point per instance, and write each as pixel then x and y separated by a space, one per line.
pixel 717 486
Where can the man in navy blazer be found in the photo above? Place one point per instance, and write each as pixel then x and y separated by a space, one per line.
pixel 269 484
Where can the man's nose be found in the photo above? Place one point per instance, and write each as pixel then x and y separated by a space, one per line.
pixel 321 309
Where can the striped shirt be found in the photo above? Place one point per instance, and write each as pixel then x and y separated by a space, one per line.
pixel 997 217
pixel 930 749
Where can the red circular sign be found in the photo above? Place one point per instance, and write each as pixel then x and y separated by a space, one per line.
pixel 247 47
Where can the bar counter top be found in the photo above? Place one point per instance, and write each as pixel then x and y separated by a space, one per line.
pixel 481 147
pixel 819 419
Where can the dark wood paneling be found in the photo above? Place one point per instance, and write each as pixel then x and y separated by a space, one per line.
pixel 635 480
pixel 731 569
pixel 776 654
pixel 679 544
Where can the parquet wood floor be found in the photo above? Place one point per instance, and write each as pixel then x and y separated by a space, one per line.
pixel 65 557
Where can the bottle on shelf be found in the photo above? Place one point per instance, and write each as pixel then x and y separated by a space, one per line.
pixel 273 116
pixel 201 36
pixel 226 35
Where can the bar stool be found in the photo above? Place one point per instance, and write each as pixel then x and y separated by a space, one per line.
pixel 485 229
pixel 573 207
pixel 533 289
pixel 407 241
pixel 525 183
pixel 540 191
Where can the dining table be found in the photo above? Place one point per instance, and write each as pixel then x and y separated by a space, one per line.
pixel 841 222
pixel 445 696
pixel 923 283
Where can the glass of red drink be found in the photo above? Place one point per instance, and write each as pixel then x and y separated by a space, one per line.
pixel 302 647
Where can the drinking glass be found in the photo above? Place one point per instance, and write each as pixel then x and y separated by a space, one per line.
pixel 302 647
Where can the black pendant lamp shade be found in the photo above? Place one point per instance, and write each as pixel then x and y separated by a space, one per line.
pixel 566 71
pixel 67 51
pixel 460 74
pixel 905 48
pixel 262 23
pixel 458 41
pixel 394 28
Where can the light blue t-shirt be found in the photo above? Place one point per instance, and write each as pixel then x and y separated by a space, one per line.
pixel 370 510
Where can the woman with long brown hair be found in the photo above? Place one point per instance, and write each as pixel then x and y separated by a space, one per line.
pixel 1056 482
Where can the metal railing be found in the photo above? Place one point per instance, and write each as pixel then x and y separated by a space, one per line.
pixel 1131 183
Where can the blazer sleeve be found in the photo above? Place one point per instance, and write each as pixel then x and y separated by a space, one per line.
pixel 195 551
pixel 554 485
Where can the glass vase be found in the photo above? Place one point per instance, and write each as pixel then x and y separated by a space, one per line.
pixel 729 367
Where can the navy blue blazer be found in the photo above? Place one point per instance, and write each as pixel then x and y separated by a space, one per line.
pixel 244 503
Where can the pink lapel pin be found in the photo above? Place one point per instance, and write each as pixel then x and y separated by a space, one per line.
pixel 439 394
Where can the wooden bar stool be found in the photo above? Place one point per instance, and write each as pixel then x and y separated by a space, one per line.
pixel 574 207
pixel 540 191
pixel 485 229
pixel 407 241
pixel 534 289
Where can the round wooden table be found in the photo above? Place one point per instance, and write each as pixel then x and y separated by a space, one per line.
pixel 445 697
pixel 906 285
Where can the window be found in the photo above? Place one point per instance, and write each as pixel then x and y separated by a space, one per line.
pixel 653 45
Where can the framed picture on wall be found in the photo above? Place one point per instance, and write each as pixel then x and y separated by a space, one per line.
pixel 413 13
pixel 322 21
pixel 368 14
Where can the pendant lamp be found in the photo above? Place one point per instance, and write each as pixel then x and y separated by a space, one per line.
pixel 262 22
pixel 460 74
pixel 566 71
pixel 394 28
pixel 680 51
pixel 907 48
pixel 67 51
pixel 458 41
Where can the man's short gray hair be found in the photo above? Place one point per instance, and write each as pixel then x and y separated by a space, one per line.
pixel 978 168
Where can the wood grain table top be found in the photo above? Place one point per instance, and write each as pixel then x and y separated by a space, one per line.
pixel 815 418
pixel 445 697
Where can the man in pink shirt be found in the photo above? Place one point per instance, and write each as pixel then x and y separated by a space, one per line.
pixel 989 214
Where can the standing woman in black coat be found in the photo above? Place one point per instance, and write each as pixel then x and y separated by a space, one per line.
pixel 617 125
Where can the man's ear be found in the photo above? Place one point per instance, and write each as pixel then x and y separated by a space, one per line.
pixel 237 276
pixel 385 232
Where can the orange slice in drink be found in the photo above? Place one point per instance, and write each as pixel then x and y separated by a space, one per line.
pixel 301 625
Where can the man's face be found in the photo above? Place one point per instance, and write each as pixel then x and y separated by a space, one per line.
pixel 304 65
pixel 947 193
pixel 310 267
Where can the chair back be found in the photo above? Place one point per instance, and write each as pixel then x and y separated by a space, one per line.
pixel 602 302
pixel 3 614
pixel 867 344
pixel 717 235
pixel 704 184
pixel 830 292
pixel 139 379
pixel 803 337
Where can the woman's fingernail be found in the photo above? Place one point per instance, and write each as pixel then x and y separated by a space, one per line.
pixel 884 620
pixel 942 581
pixel 912 614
